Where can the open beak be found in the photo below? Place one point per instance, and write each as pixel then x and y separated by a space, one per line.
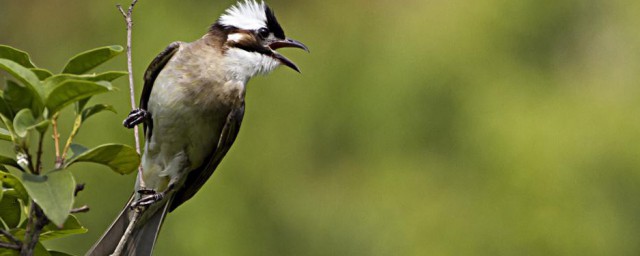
pixel 283 44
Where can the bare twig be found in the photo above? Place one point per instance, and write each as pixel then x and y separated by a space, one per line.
pixel 39 153
pixel 11 237
pixel 9 246
pixel 127 232
pixel 129 22
pixel 79 187
pixel 83 208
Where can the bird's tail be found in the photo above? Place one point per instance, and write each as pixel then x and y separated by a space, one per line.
pixel 142 239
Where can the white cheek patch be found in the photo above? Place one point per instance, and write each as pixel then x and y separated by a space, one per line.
pixel 235 37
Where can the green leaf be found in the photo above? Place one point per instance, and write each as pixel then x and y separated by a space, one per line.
pixel 28 79
pixel 58 253
pixel 18 97
pixel 50 231
pixel 10 210
pixel 53 192
pixel 86 113
pixel 109 76
pixel 71 91
pixel 5 160
pixel 88 60
pixel 77 149
pixel 120 158
pixel 9 125
pixel 5 109
pixel 42 73
pixel 40 250
pixel 18 56
pixel 9 180
pixel 23 74
pixel 52 81
pixel 23 122
pixel 71 227
pixel 5 135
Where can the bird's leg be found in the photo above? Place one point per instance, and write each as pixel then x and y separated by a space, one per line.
pixel 136 116
pixel 150 196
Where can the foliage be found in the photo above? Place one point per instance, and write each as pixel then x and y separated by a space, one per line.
pixel 36 196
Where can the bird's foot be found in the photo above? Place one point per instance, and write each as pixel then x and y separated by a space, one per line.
pixel 148 197
pixel 136 116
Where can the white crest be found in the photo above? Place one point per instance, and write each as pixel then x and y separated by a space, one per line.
pixel 249 15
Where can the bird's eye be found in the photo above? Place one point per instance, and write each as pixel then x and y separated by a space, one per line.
pixel 263 32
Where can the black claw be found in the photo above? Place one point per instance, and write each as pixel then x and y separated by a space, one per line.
pixel 136 116
pixel 148 197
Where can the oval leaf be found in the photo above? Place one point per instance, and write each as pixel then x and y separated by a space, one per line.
pixel 88 60
pixel 5 135
pixel 5 160
pixel 71 226
pixel 109 76
pixel 71 91
pixel 24 75
pixel 53 192
pixel 23 122
pixel 5 109
pixel 120 158
pixel 42 73
pixel 86 113
pixel 9 180
pixel 18 56
pixel 10 210
pixel 30 87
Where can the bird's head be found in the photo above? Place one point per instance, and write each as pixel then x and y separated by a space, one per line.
pixel 253 34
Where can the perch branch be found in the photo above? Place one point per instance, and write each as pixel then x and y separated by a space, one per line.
pixel 129 22
pixel 127 232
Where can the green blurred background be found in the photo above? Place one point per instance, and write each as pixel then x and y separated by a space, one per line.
pixel 417 127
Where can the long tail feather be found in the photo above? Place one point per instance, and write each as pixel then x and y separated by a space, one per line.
pixel 142 239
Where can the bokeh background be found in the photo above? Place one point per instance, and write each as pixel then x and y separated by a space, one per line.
pixel 417 127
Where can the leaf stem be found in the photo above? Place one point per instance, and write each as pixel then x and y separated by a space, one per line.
pixel 56 139
pixel 72 135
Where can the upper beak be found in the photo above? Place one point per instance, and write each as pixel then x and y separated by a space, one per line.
pixel 287 43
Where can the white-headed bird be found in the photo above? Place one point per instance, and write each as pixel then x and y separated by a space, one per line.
pixel 192 106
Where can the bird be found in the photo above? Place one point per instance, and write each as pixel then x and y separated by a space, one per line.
pixel 191 107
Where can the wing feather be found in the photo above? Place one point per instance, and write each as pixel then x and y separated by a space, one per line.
pixel 152 72
pixel 199 176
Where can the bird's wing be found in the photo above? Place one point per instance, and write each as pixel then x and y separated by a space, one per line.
pixel 152 73
pixel 199 176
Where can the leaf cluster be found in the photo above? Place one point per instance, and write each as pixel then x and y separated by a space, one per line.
pixel 37 196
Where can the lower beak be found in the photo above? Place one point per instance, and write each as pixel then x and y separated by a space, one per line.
pixel 284 44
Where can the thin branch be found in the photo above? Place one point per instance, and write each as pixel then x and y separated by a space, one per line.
pixel 11 237
pixel 40 221
pixel 34 226
pixel 83 208
pixel 39 153
pixel 79 187
pixel 9 246
pixel 129 22
pixel 127 232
